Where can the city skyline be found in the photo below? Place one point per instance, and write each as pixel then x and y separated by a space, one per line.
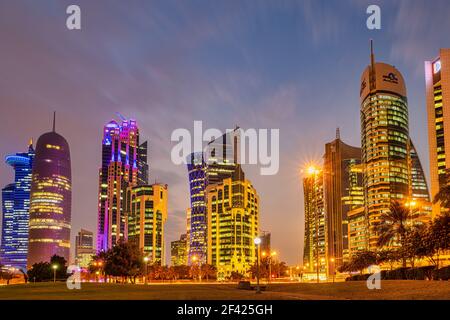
pixel 197 81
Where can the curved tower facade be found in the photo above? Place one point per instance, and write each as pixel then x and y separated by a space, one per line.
pixel 384 141
pixel 50 203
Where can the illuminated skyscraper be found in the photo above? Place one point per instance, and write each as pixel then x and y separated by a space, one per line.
pixel 339 197
pixel 437 77
pixel 197 184
pixel 233 224
pixel 384 140
pixel 84 248
pixel 217 163
pixel 15 223
pixel 6 247
pixel 146 209
pixel 314 252
pixel 51 196
pixel 124 164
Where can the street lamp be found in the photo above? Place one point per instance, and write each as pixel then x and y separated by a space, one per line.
pixel 146 269
pixel 54 267
pixel 257 242
pixel 272 254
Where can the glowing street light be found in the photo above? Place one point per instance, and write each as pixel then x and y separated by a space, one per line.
pixel 54 267
pixel 146 259
pixel 257 242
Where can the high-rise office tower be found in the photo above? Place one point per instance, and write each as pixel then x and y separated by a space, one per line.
pixel 437 77
pixel 142 163
pixel 178 251
pixel 146 209
pixel 314 252
pixel 51 196
pixel 15 250
pixel 217 163
pixel 265 245
pixel 84 248
pixel 419 196
pixel 233 224
pixel 198 229
pixel 384 140
pixel 124 164
pixel 338 197
pixel 6 247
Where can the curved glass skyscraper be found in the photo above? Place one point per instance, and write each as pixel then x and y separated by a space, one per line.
pixel 16 206
pixel 384 140
pixel 50 203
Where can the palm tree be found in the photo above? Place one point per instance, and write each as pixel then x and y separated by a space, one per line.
pixel 393 225
pixel 443 196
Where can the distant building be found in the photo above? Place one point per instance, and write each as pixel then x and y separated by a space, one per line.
pixel 233 224
pixel 16 207
pixel 315 253
pixel 51 199
pixel 84 248
pixel 437 78
pixel 178 250
pixel 265 242
pixel 340 196
pixel 146 209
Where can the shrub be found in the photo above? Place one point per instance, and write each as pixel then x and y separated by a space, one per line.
pixel 442 274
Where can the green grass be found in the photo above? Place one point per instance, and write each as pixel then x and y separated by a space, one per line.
pixel 390 290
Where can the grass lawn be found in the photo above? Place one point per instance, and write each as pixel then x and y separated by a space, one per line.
pixel 303 291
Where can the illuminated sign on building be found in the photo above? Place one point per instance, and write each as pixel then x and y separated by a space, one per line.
pixel 437 66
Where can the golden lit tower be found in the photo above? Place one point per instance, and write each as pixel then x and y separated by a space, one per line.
pixel 437 77
pixel 233 224
pixel 384 140
pixel 146 210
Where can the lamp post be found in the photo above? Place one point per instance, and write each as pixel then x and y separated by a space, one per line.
pixel 54 267
pixel 257 242
pixel 146 269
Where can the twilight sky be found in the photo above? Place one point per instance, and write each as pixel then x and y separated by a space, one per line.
pixel 292 65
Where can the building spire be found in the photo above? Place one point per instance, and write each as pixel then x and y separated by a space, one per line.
pixel 54 120
pixel 338 133
pixel 372 78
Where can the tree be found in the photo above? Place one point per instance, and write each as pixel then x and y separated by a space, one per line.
pixel 443 196
pixel 124 260
pixel 393 225
pixel 194 271
pixel 391 256
pixel 236 276
pixel 41 271
pixel 60 262
pixel 440 234
pixel 208 271
pixel 361 261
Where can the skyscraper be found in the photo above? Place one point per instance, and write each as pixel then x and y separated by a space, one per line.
pixel 338 197
pixel 16 249
pixel 233 224
pixel 384 140
pixel 197 185
pixel 217 163
pixel 51 196
pixel 84 248
pixel 146 210
pixel 7 248
pixel 314 252
pixel 124 164
pixel 437 77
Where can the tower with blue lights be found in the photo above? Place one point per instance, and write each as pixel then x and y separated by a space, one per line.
pixel 16 206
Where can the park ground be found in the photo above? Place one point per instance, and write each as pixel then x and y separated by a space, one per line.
pixel 390 290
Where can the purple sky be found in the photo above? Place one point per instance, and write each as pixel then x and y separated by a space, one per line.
pixel 292 65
